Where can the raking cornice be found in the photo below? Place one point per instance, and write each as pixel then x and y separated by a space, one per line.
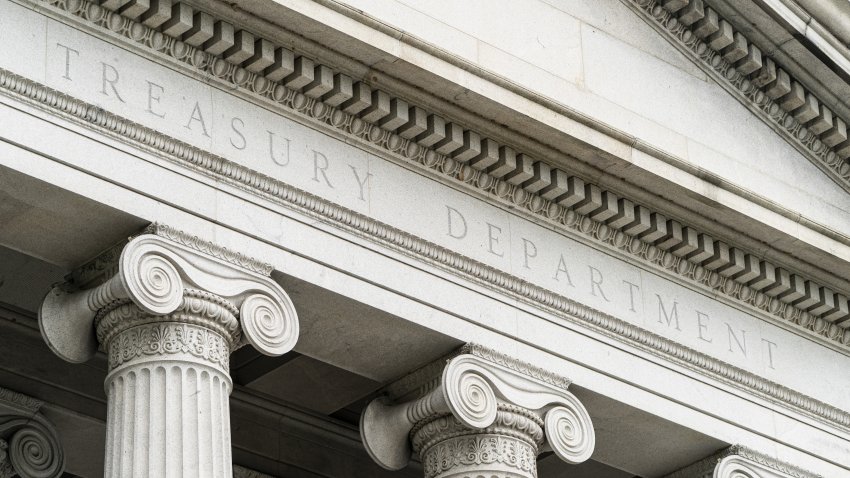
pixel 318 114
pixel 534 188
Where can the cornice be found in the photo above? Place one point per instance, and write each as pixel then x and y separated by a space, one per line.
pixel 535 188
pixel 211 248
pixel 295 104
pixel 755 79
pixel 706 467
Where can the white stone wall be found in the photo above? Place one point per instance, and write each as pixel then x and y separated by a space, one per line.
pixel 602 60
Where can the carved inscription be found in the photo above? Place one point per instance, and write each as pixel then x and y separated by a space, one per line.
pixel 564 266
pixel 209 116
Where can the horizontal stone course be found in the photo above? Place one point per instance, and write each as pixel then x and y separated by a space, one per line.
pixel 538 178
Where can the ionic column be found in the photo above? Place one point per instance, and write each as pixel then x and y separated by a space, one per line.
pixel 481 413
pixel 29 445
pixel 741 462
pixel 168 309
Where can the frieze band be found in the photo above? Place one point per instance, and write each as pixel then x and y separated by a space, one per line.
pixel 509 176
pixel 314 206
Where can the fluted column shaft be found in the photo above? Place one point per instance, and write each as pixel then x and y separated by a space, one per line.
pixel 168 311
pixel 168 387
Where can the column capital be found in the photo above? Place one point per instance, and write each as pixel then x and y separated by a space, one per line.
pixel 738 461
pixel 482 401
pixel 163 272
pixel 29 445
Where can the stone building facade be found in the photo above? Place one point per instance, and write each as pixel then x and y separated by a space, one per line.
pixel 396 238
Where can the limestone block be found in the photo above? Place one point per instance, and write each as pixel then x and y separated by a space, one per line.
pixel 823 122
pixel 641 224
pixel 693 12
pixel 825 301
pixel 158 13
pixel 506 164
pixel 781 285
pixel 673 237
pixel 221 40
pixel 625 214
pixel 735 265
pixel 360 100
pixel 794 99
pixel 720 258
pixel 541 179
pixel 709 24
pixel 751 62
pixel 810 297
pixel 417 122
pixel 378 108
pixel 203 27
pixel 592 200
pixel 302 74
pixel 557 185
pixel 704 251
pixel 575 192
pixel 688 244
pixel 323 82
pixel 766 276
pixel 523 171
pixel 608 209
pixel 470 148
pixel 488 156
pixel 752 267
pixel 452 141
pixel 399 115
pixel 434 133
pixel 796 291
pixel 780 87
pixel 841 313
pixel 657 229
pixel 835 135
pixel 735 50
pixel 674 5
pixel 283 65
pixel 180 21
pixel 766 75
pixel 242 49
pixel 722 38
pixel 808 111
pixel 135 9
pixel 114 5
pixel 342 91
pixel 263 56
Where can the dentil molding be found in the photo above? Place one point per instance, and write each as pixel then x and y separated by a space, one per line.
pixel 29 444
pixel 477 411
pixel 290 102
pixel 327 98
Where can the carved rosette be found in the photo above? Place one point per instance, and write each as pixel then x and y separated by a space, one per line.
pixel 168 317
pixel 486 414
pixel 29 445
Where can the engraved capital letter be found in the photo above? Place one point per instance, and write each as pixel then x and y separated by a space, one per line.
pixel 110 77
pixel 68 51
pixel 457 230
pixel 284 159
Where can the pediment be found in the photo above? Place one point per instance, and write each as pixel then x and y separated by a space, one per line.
pixel 808 125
